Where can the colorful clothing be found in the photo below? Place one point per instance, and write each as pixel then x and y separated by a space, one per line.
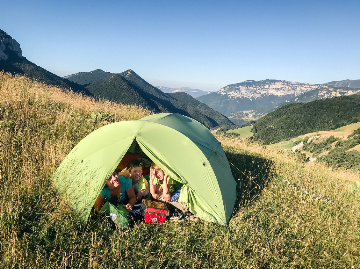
pixel 174 184
pixel 125 184
pixel 175 196
pixel 142 184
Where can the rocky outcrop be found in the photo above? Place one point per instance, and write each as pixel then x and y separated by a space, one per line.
pixel 264 96
pixel 258 89
pixel 8 45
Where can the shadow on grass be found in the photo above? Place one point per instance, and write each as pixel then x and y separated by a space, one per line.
pixel 252 174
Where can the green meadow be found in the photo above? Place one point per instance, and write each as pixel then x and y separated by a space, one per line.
pixel 243 132
pixel 288 214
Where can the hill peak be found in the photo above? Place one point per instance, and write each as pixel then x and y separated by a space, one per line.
pixel 129 73
pixel 85 78
pixel 97 71
pixel 8 46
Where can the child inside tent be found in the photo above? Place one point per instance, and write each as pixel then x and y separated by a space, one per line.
pixel 163 187
pixel 138 182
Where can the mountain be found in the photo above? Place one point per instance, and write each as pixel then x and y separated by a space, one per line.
pixel 193 92
pixel 345 83
pixel 12 61
pixel 86 78
pixel 296 119
pixel 193 107
pixel 126 87
pixel 324 92
pixel 129 88
pixel 249 100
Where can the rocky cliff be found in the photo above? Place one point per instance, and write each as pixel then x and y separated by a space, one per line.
pixel 8 45
pixel 249 100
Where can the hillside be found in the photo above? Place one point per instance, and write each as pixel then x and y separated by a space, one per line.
pixel 129 88
pixel 296 119
pixel 289 214
pixel 192 106
pixel 250 100
pixel 337 148
pixel 124 88
pixel 254 95
pixel 85 78
pixel 345 83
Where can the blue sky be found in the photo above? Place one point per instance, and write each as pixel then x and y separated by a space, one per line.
pixel 198 44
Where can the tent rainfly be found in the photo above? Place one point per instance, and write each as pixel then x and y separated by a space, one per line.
pixel 185 149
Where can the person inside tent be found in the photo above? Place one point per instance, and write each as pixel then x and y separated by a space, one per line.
pixel 138 181
pixel 114 191
pixel 162 187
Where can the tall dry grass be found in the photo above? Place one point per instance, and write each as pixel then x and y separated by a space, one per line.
pixel 288 214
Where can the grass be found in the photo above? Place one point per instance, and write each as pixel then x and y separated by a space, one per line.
pixel 244 132
pixel 348 128
pixel 289 144
pixel 289 214
pixel 341 133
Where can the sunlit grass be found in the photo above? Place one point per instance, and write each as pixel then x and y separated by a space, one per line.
pixel 348 128
pixel 288 214
pixel 244 132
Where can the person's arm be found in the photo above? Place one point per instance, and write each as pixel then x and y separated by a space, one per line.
pixel 152 185
pixel 99 202
pixel 142 193
pixel 166 188
pixel 124 173
pixel 132 198
pixel 144 187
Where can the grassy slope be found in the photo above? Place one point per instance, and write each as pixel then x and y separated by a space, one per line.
pixel 289 214
pixel 341 133
pixel 297 119
pixel 244 132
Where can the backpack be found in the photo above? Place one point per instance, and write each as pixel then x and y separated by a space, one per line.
pixel 154 211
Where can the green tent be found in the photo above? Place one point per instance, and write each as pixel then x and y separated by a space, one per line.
pixel 181 146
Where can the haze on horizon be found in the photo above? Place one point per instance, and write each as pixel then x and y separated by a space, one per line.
pixel 204 44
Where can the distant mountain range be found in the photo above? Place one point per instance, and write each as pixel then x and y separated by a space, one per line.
pixel 193 92
pixel 126 87
pixel 241 102
pixel 250 100
pixel 345 83
pixel 129 88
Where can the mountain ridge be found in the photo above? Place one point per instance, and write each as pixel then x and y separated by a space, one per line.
pixel 84 79
pixel 264 96
pixel 345 83
pixel 126 87
pixel 129 88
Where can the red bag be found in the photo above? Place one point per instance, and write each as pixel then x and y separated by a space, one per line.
pixel 155 212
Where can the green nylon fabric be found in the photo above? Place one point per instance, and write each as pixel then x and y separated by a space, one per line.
pixel 117 214
pixel 181 146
